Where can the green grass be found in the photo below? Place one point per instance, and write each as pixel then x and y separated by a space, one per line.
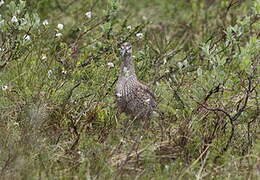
pixel 58 117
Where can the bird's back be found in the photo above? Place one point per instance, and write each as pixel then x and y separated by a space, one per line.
pixel 134 98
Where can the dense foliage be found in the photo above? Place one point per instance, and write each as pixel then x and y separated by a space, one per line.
pixel 59 61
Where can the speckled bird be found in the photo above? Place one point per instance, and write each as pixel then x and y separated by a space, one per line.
pixel 133 97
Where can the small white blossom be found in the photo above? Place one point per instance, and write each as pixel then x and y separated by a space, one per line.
pixel 2 2
pixel 80 153
pixel 129 27
pixel 49 73
pixel 122 141
pixel 58 34
pixel 110 64
pixel 14 19
pixel 16 123
pixel 44 57
pixel 60 26
pixel 4 88
pixel 64 72
pixel 26 37
pixel 185 62
pixel 164 60
pixel 45 22
pixel 180 65
pixel 140 35
pixel 89 14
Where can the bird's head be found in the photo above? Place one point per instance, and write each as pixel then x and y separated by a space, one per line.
pixel 126 49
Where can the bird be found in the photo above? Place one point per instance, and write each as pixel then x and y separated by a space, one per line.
pixel 133 97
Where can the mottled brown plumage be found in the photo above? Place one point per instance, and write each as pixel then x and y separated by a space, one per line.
pixel 133 97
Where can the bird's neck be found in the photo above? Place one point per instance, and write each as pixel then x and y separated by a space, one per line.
pixel 127 67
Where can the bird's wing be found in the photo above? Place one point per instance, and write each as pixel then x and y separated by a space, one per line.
pixel 147 90
pixel 144 93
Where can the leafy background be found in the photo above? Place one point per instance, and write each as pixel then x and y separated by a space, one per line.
pixel 57 105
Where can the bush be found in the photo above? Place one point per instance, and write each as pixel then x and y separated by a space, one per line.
pixel 59 63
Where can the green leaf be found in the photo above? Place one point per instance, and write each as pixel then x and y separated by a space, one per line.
pixel 245 62
pixel 199 71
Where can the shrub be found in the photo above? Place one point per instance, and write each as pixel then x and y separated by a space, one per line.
pixel 59 63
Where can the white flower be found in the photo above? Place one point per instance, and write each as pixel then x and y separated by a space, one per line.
pixel 129 27
pixel 164 60
pixel 64 72
pixel 180 65
pixel 2 2
pixel 60 26
pixel 16 123
pixel 26 37
pixel 49 73
pixel 122 141
pixel 45 22
pixel 14 19
pixel 58 34
pixel 44 57
pixel 140 35
pixel 110 64
pixel 88 14
pixel 4 88
pixel 185 62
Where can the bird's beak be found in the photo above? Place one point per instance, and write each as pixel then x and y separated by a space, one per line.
pixel 122 51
